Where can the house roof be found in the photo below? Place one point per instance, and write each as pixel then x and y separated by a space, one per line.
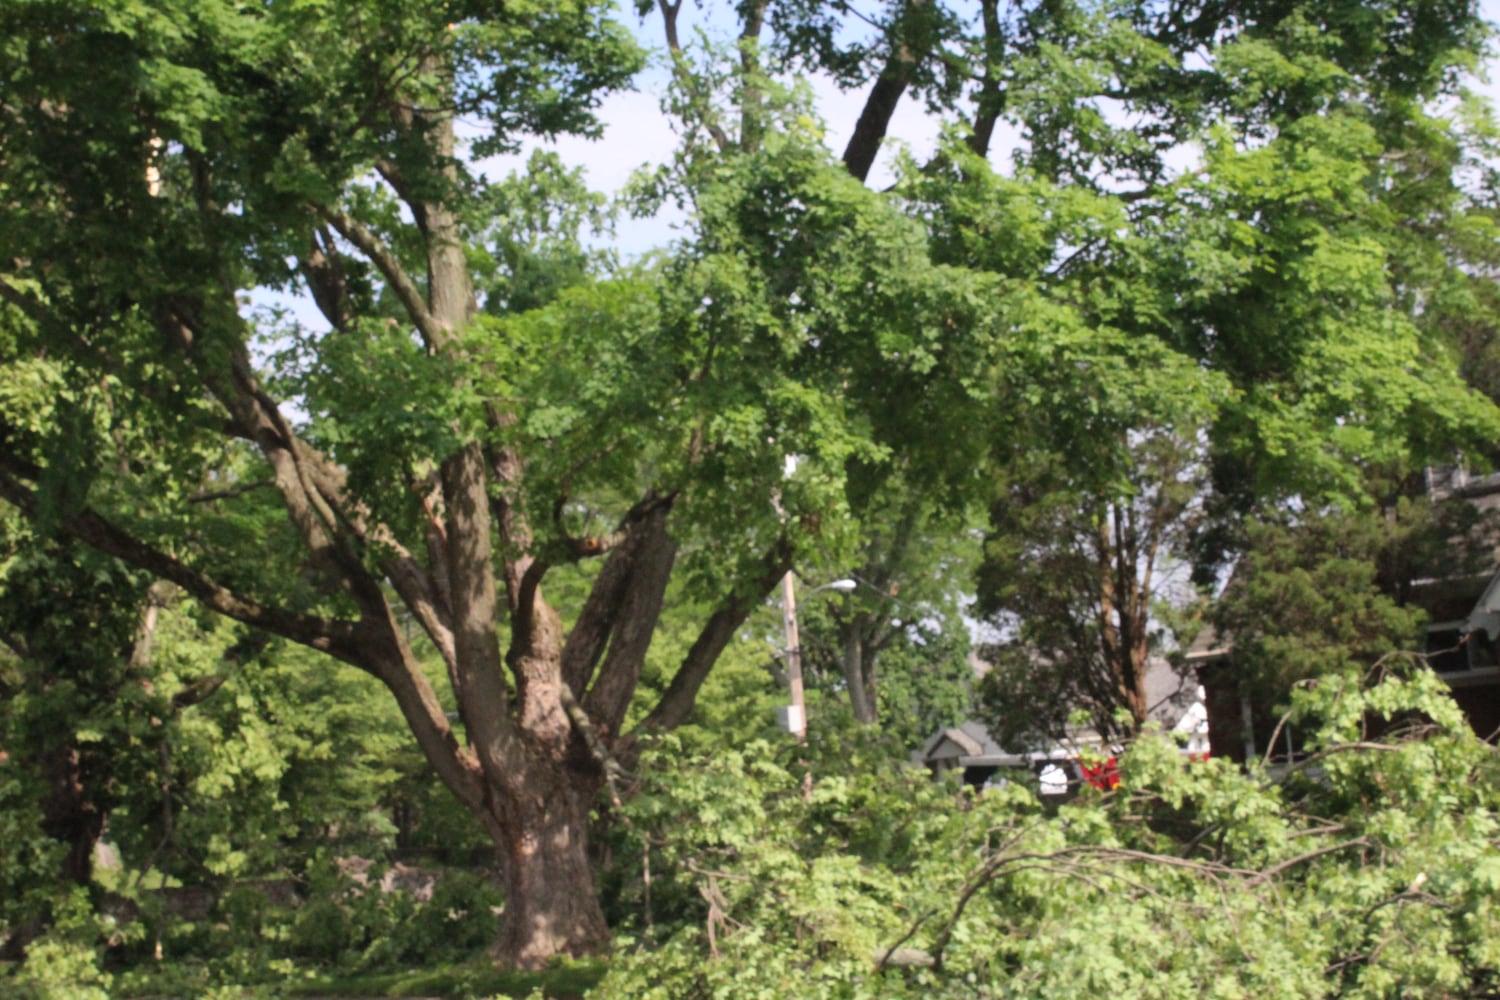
pixel 1177 704
pixel 1486 614
pixel 1206 646
pixel 950 743
pixel 1170 693
pixel 967 740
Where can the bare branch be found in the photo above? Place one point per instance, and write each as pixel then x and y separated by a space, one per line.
pixel 1343 845
pixel 885 95
pixel 892 955
pixel 235 656
pixel 990 100
pixel 232 492
pixel 1312 759
pixel 419 593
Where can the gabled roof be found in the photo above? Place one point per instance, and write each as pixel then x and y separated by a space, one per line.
pixel 1206 646
pixel 950 743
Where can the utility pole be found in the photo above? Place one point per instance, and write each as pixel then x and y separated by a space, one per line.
pixel 796 717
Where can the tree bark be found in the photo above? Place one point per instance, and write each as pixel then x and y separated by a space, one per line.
pixel 990 100
pixel 70 814
pixel 908 48
pixel 551 899
pixel 861 691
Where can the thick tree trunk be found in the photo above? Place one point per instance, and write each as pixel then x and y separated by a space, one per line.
pixel 551 900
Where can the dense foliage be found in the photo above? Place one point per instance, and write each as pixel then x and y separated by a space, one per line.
pixel 1235 258
pixel 1367 869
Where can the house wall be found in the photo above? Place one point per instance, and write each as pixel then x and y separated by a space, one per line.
pixel 1481 704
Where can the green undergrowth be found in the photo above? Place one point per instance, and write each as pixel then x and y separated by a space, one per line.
pixel 342 938
pixel 469 980
pixel 1366 869
pixel 474 979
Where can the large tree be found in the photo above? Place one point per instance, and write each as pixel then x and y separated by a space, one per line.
pixel 430 453
pixel 1266 322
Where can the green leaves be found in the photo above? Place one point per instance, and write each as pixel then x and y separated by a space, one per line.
pixel 1362 876
pixel 1323 594
pixel 1236 262
pixel 381 405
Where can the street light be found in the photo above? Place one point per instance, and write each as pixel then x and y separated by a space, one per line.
pixel 794 716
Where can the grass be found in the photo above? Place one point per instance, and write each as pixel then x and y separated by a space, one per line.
pixel 450 981
pixel 461 982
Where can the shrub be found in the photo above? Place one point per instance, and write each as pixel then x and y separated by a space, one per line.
pixel 1368 869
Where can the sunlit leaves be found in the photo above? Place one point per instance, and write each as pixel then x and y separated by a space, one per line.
pixel 1361 873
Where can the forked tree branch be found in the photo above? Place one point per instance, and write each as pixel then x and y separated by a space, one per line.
pixel 313 491
pixel 310 485
pixel 416 586
pixel 601 609
pixel 677 702
pixel 639 610
pixel 326 279
pixel 587 638
pixel 684 78
pixel 384 259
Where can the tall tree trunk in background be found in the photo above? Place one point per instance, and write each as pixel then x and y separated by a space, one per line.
pixel 71 817
pixel 859 674
pixel 70 814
